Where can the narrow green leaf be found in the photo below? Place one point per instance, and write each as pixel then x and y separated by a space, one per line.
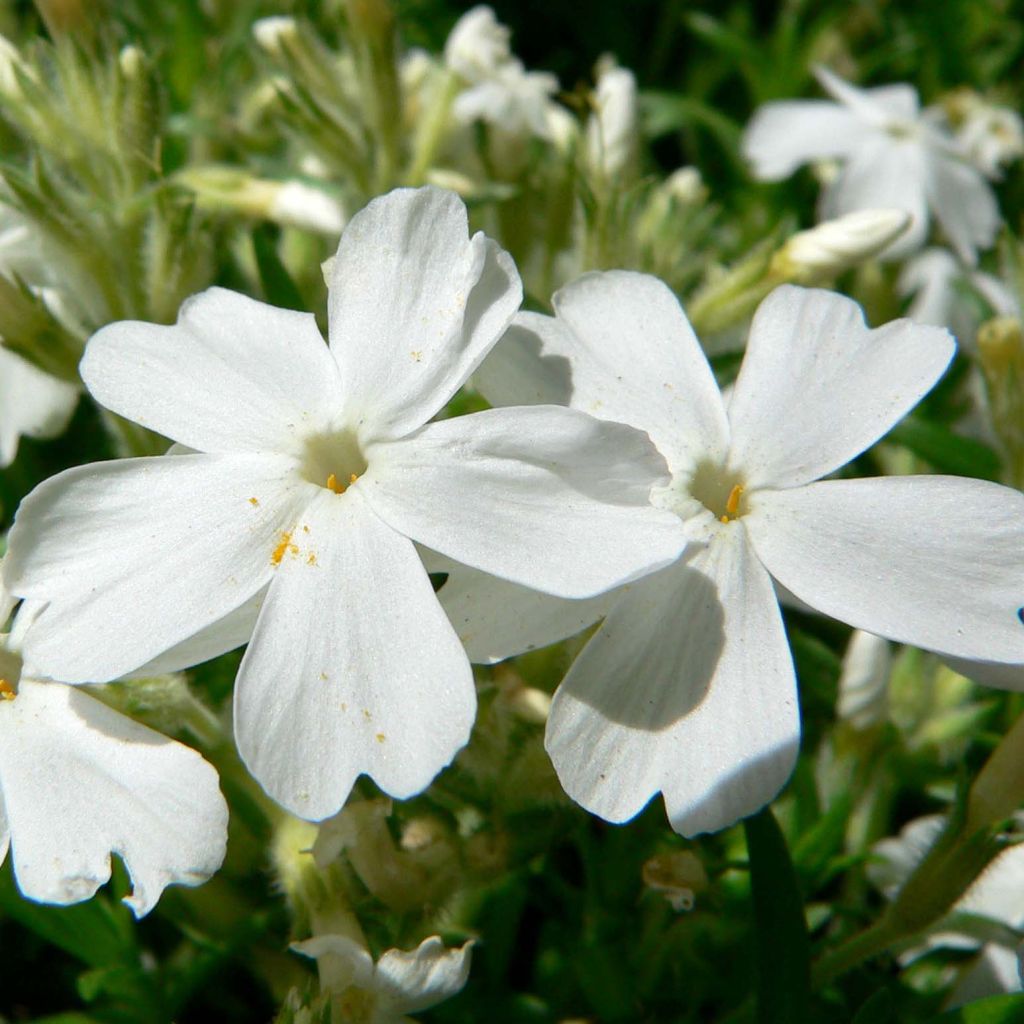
pixel 278 287
pixel 877 1009
pixel 995 1010
pixel 946 451
pixel 783 949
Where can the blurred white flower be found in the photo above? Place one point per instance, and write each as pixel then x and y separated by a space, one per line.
pixel 990 135
pixel 864 680
pixel 78 781
pixel 32 404
pixel 709 717
pixel 997 896
pixel 612 130
pixel 893 157
pixel 312 469
pixel 499 89
pixel 399 983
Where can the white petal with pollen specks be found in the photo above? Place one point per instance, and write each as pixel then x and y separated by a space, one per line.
pixel 81 781
pixel 687 689
pixel 842 386
pixel 933 561
pixel 543 496
pixel 32 403
pixel 136 556
pixel 232 375
pixel 496 619
pixel 632 357
pixel 782 136
pixel 415 304
pixel 342 677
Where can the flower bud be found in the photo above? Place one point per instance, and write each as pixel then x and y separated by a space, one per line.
pixel 275 34
pixel 864 680
pixel 827 250
pixel 1001 354
pixel 612 131
pixel 478 44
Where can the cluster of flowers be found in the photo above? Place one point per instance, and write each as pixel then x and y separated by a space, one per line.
pixel 312 489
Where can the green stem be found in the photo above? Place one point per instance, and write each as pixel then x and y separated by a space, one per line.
pixel 863 946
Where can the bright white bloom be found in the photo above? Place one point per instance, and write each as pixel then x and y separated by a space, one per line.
pixel 399 983
pixel 79 781
pixel 996 896
pixel 893 157
pixel 500 91
pixel 612 129
pixel 311 475
pixel 688 688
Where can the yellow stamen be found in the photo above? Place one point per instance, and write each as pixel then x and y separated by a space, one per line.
pixel 284 546
pixel 352 478
pixel 732 504
pixel 333 485
pixel 6 690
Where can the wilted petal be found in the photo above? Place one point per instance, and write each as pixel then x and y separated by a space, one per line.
pixel 817 387
pixel 134 557
pixel 417 979
pixel 232 375
pixel 415 304
pixel 542 496
pixel 353 666
pixel 687 689
pixel 937 562
pixel 81 781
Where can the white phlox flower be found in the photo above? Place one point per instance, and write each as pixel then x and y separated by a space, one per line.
pixel 499 89
pixel 996 896
pixel 79 781
pixel 990 135
pixel 937 282
pixel 892 155
pixel 32 403
pixel 399 983
pixel 312 470
pixel 688 687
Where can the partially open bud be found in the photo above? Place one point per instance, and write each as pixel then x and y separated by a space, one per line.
pixel 825 251
pixel 612 131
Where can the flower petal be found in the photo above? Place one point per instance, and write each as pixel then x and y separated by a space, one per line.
pixel 415 304
pixel 419 978
pixel 937 562
pixel 32 403
pixel 782 136
pixel 874 106
pixel 232 375
pixel 964 205
pixel 817 386
pixel 496 619
pixel 687 689
pixel 81 781
pixel 630 355
pixel 353 667
pixel 884 173
pixel 546 497
pixel 136 556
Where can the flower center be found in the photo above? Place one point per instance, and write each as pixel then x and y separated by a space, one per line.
pixel 721 491
pixel 334 461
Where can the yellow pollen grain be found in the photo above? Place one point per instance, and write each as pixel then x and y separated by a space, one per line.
pixel 255 502
pixel 333 485
pixel 6 690
pixel 732 504
pixel 311 560
pixel 380 737
pixel 284 546
pixel 366 714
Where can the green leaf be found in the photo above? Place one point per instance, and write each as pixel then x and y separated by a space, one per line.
pixel 278 287
pixel 96 932
pixel 876 1009
pixel 995 1010
pixel 782 945
pixel 946 451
